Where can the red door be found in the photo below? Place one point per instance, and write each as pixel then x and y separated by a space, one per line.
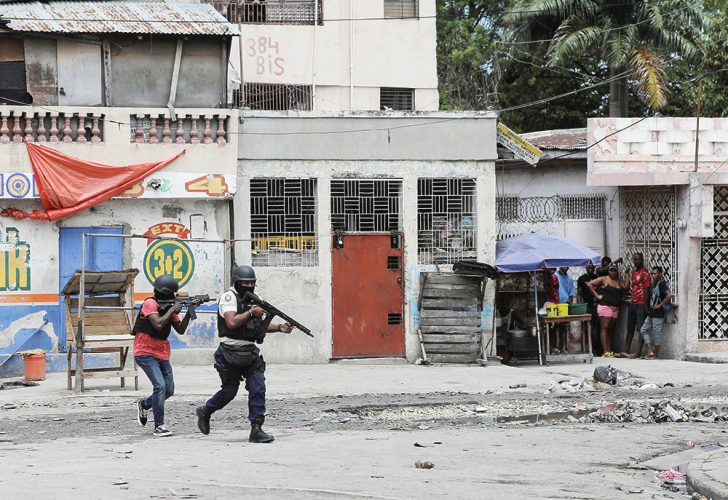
pixel 367 286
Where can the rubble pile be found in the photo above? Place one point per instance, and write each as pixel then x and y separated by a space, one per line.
pixel 666 410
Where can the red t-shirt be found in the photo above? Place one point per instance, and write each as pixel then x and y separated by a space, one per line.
pixel 146 345
pixel 640 282
pixel 552 289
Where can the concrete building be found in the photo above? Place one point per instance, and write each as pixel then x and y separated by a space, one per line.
pixel 673 197
pixel 116 83
pixel 346 212
pixel 334 55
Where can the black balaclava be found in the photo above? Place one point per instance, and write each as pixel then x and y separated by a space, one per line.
pixel 240 289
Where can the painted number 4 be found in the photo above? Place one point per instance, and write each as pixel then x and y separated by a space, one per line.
pixel 212 185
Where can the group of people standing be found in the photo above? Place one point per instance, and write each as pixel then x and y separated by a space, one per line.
pixel 604 290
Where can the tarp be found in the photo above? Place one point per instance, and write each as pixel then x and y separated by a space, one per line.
pixel 531 252
pixel 68 185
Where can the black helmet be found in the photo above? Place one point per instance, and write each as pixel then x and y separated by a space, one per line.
pixel 166 285
pixel 243 273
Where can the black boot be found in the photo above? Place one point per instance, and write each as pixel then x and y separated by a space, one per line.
pixel 203 419
pixel 257 434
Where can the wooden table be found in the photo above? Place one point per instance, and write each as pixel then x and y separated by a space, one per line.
pixel 584 355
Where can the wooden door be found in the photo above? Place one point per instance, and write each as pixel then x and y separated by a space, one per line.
pixel 368 295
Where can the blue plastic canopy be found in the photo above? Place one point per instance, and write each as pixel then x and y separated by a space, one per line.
pixel 531 252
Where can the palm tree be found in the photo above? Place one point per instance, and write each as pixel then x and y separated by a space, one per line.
pixel 632 38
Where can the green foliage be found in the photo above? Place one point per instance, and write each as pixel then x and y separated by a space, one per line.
pixel 633 35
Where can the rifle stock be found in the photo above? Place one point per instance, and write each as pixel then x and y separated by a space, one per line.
pixel 272 311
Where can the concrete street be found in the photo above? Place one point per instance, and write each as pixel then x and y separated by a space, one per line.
pixel 347 430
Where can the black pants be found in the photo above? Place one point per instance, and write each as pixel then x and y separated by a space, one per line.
pixel 254 376
pixel 595 329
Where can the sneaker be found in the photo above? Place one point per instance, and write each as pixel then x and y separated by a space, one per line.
pixel 161 431
pixel 141 413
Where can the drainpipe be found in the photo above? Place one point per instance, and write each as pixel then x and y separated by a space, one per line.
pixel 175 80
pixel 240 55
pixel 351 56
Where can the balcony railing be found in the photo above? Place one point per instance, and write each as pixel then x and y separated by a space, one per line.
pixel 23 126
pixel 270 11
pixel 186 129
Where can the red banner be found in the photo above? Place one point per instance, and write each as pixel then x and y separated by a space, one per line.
pixel 68 185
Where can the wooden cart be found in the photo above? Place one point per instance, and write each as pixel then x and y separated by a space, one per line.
pixel 99 319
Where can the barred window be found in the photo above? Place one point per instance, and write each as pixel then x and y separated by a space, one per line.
pixel 446 230
pixel 270 11
pixel 366 205
pixel 278 97
pixel 401 8
pixel 283 222
pixel 396 99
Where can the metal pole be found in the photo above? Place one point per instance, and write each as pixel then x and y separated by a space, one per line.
pixel 538 323
pixel 82 284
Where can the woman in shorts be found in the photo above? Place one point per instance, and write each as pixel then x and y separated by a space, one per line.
pixel 608 291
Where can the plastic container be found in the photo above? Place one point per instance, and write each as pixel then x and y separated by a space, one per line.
pixel 551 310
pixel 563 309
pixel 579 308
pixel 34 366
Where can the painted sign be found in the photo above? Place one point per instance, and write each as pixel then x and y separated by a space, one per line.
pixel 171 257
pixel 17 185
pixel 14 261
pixel 265 51
pixel 518 145
pixel 21 185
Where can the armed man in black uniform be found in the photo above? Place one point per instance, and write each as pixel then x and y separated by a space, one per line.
pixel 239 326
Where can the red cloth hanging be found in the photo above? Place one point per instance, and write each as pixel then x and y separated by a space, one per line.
pixel 68 185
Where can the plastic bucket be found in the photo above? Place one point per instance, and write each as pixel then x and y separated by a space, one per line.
pixel 551 310
pixel 34 366
pixel 563 309
pixel 578 308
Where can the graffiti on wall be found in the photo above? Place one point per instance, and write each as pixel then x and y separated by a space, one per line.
pixel 14 261
pixel 168 256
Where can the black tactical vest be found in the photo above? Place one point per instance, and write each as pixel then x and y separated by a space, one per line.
pixel 145 326
pixel 251 331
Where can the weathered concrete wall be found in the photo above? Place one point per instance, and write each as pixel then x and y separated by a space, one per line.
pixel 339 54
pixel 80 70
pixel 554 179
pixel 41 70
pixel 202 74
pixel 29 308
pixel 305 292
pixel 141 71
pixel 366 136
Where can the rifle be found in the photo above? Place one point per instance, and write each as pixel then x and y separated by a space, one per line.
pixel 272 312
pixel 186 301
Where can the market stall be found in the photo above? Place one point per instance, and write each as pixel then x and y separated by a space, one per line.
pixel 528 255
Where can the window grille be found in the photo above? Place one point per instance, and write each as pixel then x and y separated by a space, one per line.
pixel 366 205
pixel 401 8
pixel 550 208
pixel 396 99
pixel 446 214
pixel 270 11
pixel 278 97
pixel 647 225
pixel 237 98
pixel 713 297
pixel 283 222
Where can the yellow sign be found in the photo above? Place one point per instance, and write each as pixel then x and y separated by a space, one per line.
pixel 518 145
pixel 14 262
pixel 171 257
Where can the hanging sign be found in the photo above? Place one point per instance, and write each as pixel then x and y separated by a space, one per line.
pixel 518 145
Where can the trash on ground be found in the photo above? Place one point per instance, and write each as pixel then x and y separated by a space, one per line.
pixel 516 386
pixel 424 465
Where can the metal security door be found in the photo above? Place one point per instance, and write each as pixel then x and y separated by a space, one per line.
pixel 368 295
pixel 713 283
